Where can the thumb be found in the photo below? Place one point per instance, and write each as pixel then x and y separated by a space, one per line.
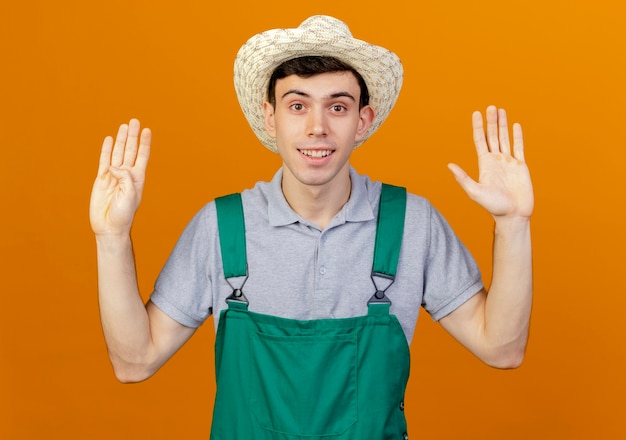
pixel 463 179
pixel 124 179
pixel 120 174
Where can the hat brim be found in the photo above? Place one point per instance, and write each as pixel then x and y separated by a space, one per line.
pixel 257 59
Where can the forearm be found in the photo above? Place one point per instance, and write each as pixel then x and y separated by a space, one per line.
pixel 124 317
pixel 509 301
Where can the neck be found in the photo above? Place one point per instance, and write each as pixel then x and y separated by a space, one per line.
pixel 317 204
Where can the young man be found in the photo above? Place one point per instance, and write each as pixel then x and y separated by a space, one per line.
pixel 315 279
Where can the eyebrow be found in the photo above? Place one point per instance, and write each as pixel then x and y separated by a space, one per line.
pixel 306 95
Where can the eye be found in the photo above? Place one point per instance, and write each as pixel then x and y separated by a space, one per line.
pixel 297 107
pixel 338 108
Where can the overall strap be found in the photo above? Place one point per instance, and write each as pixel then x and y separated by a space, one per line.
pixel 389 230
pixel 232 233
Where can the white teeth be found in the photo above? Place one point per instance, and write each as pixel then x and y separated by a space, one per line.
pixel 316 153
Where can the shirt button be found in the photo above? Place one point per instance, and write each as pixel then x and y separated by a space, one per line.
pixel 402 406
pixel 322 270
pixel 405 436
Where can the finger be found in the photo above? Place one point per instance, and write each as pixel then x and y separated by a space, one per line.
pixel 463 179
pixel 492 129
pixel 144 151
pixel 503 133
pixel 121 174
pixel 105 156
pixel 130 152
pixel 125 180
pixel 518 142
pixel 479 134
pixel 117 156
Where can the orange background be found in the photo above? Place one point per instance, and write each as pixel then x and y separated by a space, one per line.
pixel 72 71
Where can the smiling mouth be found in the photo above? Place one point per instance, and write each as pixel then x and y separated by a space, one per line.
pixel 317 154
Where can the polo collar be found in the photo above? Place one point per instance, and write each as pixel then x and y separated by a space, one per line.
pixel 358 209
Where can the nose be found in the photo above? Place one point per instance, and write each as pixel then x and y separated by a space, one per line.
pixel 316 123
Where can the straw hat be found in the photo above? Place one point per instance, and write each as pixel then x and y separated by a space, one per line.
pixel 318 35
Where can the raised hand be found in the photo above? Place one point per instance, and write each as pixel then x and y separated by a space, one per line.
pixel 118 187
pixel 504 187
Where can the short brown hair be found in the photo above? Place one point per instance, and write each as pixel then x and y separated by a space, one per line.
pixel 308 66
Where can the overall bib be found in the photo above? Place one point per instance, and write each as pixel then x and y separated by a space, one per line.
pixel 321 379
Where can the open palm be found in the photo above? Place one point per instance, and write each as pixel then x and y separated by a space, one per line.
pixel 118 187
pixel 504 187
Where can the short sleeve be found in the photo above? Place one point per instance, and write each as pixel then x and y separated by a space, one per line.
pixel 451 275
pixel 183 288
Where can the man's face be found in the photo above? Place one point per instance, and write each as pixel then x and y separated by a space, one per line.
pixel 316 123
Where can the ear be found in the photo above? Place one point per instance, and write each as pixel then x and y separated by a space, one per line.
pixel 366 117
pixel 270 125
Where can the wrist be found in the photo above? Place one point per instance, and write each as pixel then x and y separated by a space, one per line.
pixel 113 241
pixel 511 224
